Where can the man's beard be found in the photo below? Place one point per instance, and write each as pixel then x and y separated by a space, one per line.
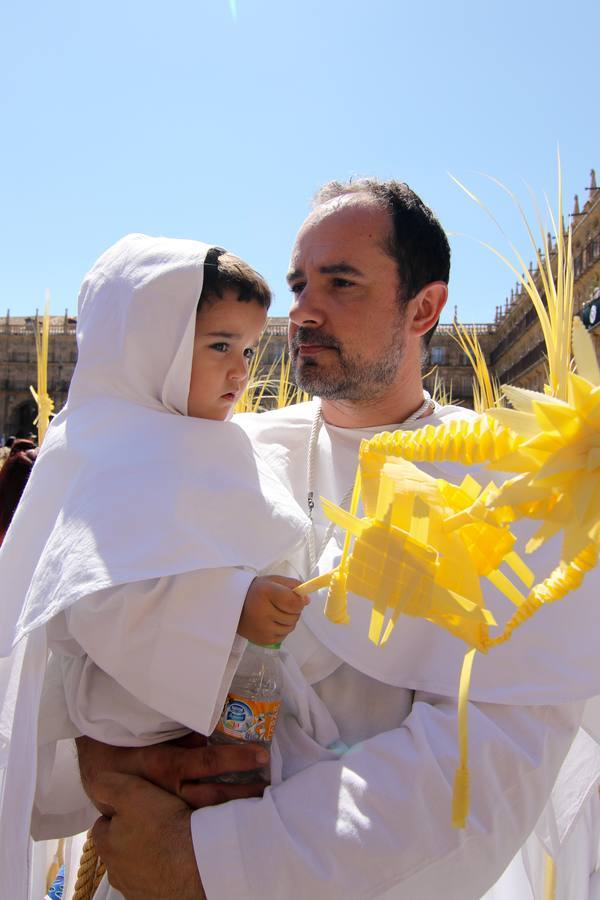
pixel 352 378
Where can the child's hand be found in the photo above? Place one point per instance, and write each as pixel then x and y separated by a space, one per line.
pixel 271 609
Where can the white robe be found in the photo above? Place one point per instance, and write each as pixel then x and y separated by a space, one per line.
pixel 375 821
pixel 300 845
pixel 127 488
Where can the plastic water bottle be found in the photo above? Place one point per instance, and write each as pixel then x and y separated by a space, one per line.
pixel 252 706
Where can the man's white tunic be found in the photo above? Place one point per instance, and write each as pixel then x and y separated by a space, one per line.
pixel 374 821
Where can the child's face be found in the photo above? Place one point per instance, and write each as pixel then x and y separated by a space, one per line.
pixel 227 332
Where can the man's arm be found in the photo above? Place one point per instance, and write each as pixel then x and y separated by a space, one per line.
pixel 378 819
pixel 144 834
pixel 179 767
pixel 153 870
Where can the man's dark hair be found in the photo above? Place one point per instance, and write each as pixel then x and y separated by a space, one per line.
pixel 223 271
pixel 417 241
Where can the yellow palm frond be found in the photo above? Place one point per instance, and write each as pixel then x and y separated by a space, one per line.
pixel 553 298
pixel 44 402
pixel 269 387
pixel 486 388
pixel 254 393
pixel 440 393
pixel 288 393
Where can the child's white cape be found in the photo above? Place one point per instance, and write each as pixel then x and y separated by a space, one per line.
pixel 126 488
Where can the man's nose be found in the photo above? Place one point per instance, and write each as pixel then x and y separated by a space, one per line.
pixel 306 308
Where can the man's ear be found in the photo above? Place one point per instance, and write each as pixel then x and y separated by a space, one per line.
pixel 426 307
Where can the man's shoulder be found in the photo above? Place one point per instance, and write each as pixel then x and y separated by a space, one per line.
pixel 280 436
pixel 294 416
pixel 442 413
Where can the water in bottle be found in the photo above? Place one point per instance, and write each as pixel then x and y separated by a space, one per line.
pixel 252 706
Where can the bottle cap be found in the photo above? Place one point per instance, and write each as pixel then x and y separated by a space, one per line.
pixel 266 646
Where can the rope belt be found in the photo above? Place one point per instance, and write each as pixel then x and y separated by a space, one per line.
pixel 90 872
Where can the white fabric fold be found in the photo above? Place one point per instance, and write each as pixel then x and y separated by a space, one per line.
pixel 147 661
pixel 376 821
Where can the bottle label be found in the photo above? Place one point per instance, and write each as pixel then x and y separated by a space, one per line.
pixel 249 720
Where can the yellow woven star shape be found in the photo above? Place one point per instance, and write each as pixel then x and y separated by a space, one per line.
pixel 558 455
pixel 418 556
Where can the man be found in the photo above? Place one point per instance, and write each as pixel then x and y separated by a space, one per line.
pixel 369 274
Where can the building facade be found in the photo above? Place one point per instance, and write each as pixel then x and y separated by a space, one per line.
pixel 18 369
pixel 512 344
pixel 448 375
pixel 518 352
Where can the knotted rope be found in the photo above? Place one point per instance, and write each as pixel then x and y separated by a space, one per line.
pixel 91 871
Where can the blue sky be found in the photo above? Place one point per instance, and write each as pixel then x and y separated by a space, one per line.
pixel 183 119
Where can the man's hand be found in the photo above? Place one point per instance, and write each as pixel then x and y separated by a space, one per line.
pixel 147 842
pixel 182 770
pixel 271 609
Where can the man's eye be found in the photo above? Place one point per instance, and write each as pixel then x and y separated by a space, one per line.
pixel 342 283
pixel 249 352
pixel 220 347
pixel 297 288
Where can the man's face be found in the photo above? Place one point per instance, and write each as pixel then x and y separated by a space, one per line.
pixel 346 328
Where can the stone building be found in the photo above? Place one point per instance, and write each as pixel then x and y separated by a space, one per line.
pixel 448 374
pixel 18 365
pixel 591 318
pixel 18 368
pixel 586 260
pixel 275 341
pixel 512 343
pixel 518 354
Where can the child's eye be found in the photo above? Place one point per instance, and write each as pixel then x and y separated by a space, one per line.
pixel 220 347
pixel 249 352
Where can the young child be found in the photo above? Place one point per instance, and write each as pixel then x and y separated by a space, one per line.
pixel 137 553
pixel 116 679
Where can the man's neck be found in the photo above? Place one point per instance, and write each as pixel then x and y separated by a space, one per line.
pixel 389 409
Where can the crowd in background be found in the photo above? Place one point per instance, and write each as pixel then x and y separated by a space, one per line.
pixel 17 457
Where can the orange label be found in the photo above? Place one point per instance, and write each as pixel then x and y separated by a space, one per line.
pixel 249 720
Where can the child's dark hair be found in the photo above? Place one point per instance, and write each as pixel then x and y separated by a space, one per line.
pixel 223 271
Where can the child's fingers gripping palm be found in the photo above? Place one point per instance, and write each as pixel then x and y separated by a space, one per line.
pixel 271 609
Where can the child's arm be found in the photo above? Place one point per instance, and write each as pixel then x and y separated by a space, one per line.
pixel 170 642
pixel 271 609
